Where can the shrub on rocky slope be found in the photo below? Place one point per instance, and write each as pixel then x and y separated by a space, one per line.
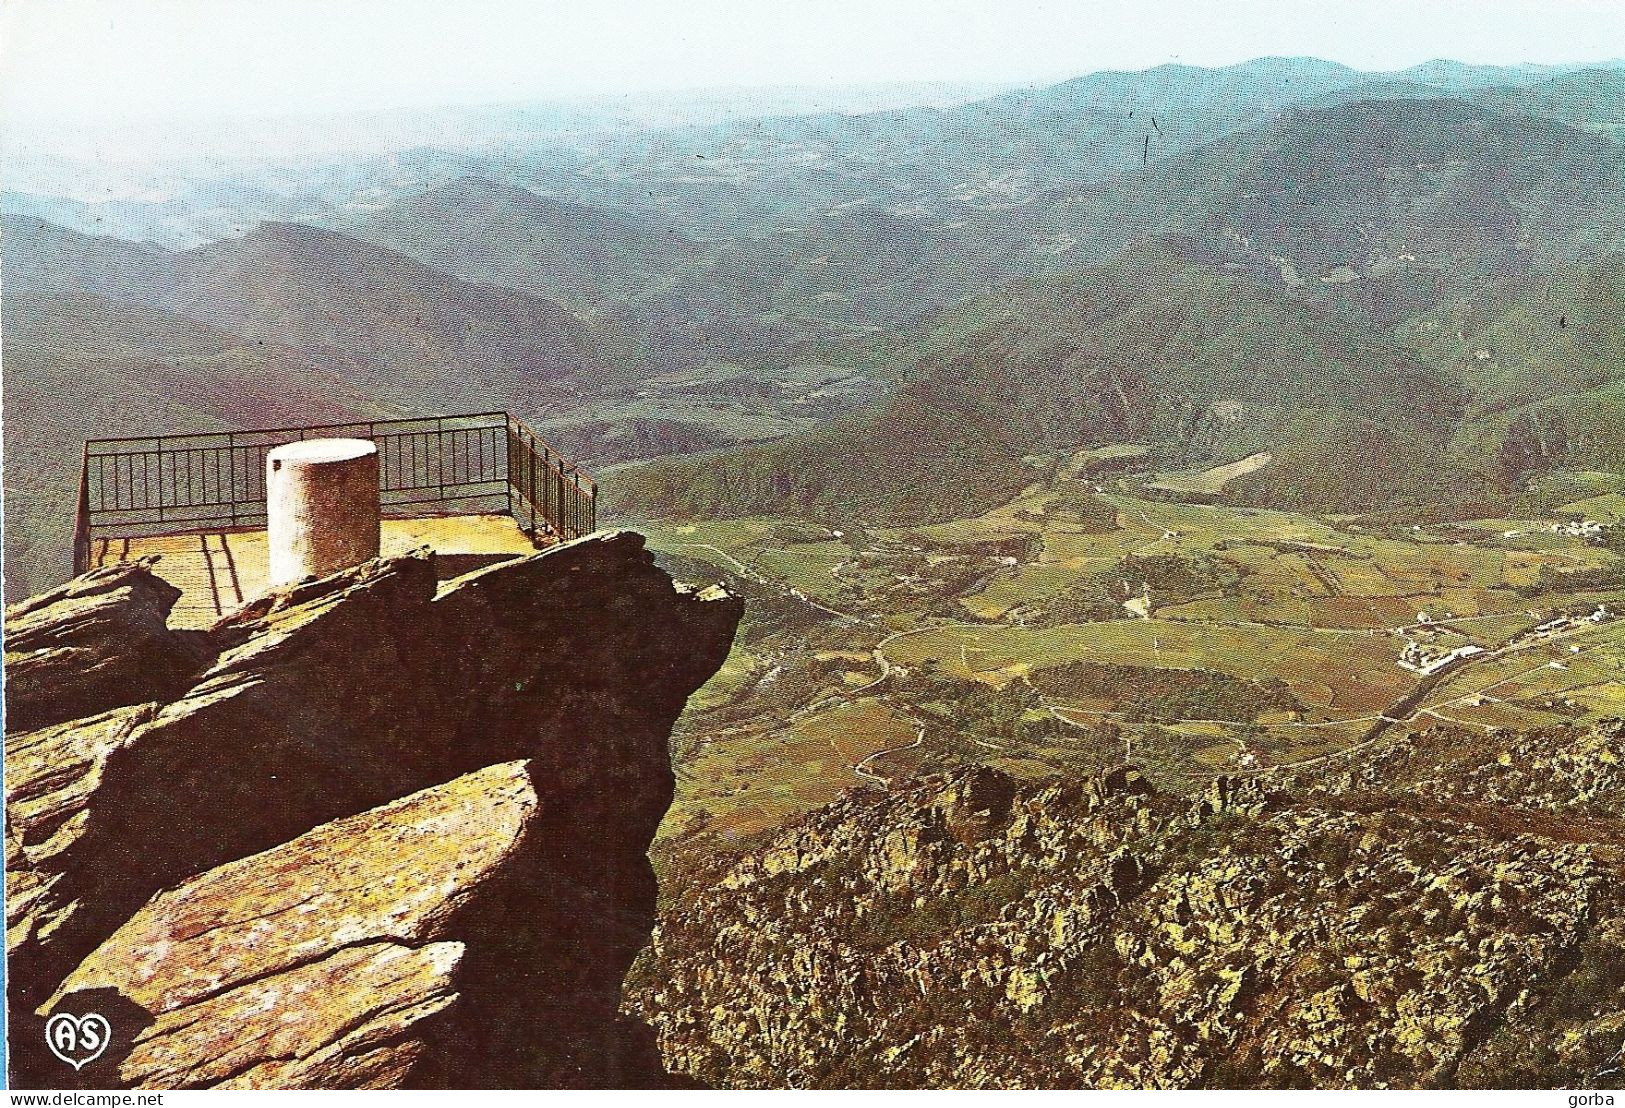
pixel 965 931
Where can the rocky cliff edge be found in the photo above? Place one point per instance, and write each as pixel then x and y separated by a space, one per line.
pixel 374 831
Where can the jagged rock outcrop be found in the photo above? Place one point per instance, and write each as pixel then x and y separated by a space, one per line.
pixel 365 953
pixel 967 930
pixel 1573 776
pixel 97 642
pixel 330 701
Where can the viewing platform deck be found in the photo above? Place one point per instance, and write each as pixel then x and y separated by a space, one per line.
pixel 220 571
pixel 476 489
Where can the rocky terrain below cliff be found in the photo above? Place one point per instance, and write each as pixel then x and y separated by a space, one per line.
pixel 1443 911
pixel 378 830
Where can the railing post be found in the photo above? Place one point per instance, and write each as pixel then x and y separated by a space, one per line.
pixel 507 443
pixel 160 481
pixel 81 525
pixel 439 459
pixel 530 450
pixel 507 461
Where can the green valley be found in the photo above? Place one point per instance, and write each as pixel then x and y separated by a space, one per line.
pixel 1032 639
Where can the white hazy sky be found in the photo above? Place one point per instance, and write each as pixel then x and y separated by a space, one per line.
pixel 102 60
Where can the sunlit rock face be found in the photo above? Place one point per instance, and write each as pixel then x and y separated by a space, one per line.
pixel 1434 911
pixel 375 830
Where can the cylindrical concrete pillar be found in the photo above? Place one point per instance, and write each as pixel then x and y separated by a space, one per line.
pixel 321 503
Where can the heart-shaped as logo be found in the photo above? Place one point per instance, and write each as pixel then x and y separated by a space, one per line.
pixel 78 1040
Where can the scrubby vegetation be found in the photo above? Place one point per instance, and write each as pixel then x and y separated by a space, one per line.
pixel 1455 928
pixel 1163 695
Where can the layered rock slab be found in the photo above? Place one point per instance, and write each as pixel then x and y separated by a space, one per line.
pixel 344 694
pixel 373 951
pixel 100 641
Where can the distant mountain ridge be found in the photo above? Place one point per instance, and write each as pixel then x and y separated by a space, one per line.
pixel 1404 193
pixel 416 335
pixel 491 233
pixel 1204 365
pixel 1589 98
pixel 43 258
pixel 391 326
pixel 725 168
pixel 992 153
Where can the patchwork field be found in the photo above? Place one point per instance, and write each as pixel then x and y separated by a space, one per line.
pixel 729 784
pixel 1335 673
pixel 1210 481
pixel 1079 625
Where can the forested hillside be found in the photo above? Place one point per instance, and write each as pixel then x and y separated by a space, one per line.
pixel 1199 363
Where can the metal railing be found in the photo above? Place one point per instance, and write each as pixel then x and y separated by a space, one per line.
pixel 547 488
pixel 437 465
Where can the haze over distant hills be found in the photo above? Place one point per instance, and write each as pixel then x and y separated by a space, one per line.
pixel 1034 270
pixel 722 162
pixel 574 119
pixel 393 326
